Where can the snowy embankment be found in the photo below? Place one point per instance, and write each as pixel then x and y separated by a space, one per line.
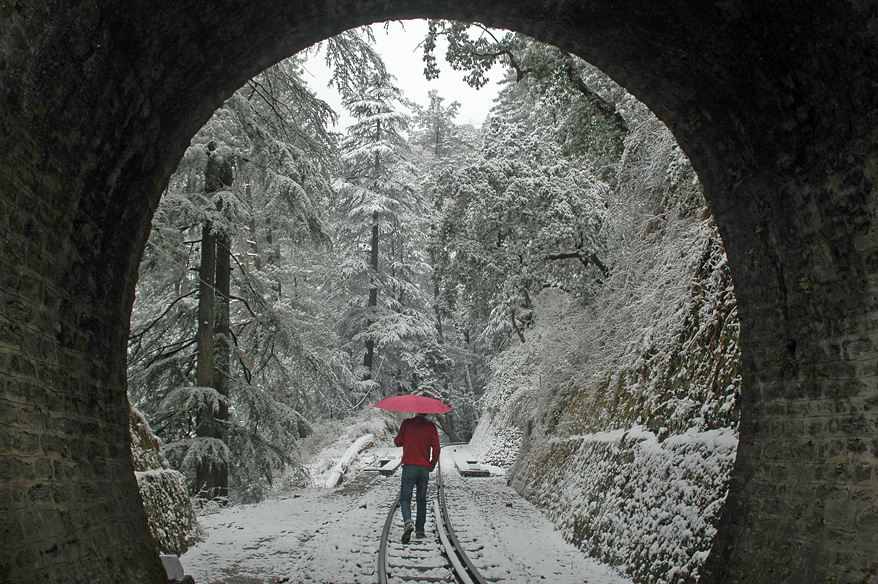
pixel 641 500
pixel 622 418
pixel 331 536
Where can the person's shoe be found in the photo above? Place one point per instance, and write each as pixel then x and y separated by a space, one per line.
pixel 420 535
pixel 407 532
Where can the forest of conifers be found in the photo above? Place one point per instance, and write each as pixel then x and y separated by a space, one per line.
pixel 295 274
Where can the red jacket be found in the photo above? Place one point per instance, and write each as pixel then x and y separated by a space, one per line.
pixel 418 436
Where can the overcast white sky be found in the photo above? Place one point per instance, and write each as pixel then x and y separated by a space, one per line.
pixel 399 48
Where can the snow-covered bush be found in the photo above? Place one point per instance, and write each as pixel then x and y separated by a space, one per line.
pixel 169 511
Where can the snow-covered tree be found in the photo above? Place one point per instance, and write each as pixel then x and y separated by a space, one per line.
pixel 228 385
pixel 436 133
pixel 521 217
pixel 380 238
pixel 588 109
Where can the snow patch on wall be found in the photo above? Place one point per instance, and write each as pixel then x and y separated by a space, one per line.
pixel 648 504
pixel 169 511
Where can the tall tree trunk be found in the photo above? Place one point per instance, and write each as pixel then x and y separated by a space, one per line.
pixel 212 476
pixel 222 353
pixel 222 334
pixel 369 357
pixel 205 471
pixel 206 301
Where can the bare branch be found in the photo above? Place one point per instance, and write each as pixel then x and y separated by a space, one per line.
pixel 159 317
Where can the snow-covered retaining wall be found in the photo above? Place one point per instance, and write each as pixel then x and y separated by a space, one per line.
pixel 646 506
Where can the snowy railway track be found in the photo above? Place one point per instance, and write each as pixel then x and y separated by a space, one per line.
pixel 438 558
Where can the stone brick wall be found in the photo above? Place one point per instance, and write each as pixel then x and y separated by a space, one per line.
pixel 69 508
pixel 775 107
pixel 807 459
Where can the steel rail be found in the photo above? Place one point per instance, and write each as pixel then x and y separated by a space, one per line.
pixel 382 548
pixel 471 572
pixel 464 570
pixel 459 569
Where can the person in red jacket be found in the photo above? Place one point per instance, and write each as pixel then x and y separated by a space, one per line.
pixel 419 439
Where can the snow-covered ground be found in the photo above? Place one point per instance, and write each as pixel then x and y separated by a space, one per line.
pixel 515 540
pixel 332 535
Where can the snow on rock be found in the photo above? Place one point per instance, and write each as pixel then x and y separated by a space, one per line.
pixel 324 449
pixel 652 503
pixel 173 567
pixel 169 510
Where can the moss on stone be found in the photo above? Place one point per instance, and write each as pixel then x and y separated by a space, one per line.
pixel 169 511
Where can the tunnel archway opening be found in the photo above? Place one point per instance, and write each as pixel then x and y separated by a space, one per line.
pixel 787 166
pixel 249 201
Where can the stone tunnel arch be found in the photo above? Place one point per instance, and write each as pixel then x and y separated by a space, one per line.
pixel 777 108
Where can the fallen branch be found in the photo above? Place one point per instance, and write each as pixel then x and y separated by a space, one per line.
pixel 362 443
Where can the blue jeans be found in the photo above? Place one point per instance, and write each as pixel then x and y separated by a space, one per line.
pixel 414 475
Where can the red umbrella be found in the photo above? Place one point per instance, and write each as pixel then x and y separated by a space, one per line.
pixel 416 404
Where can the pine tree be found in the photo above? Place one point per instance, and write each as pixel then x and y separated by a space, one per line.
pixel 379 220
pixel 233 387
pixel 588 108
pixel 523 216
